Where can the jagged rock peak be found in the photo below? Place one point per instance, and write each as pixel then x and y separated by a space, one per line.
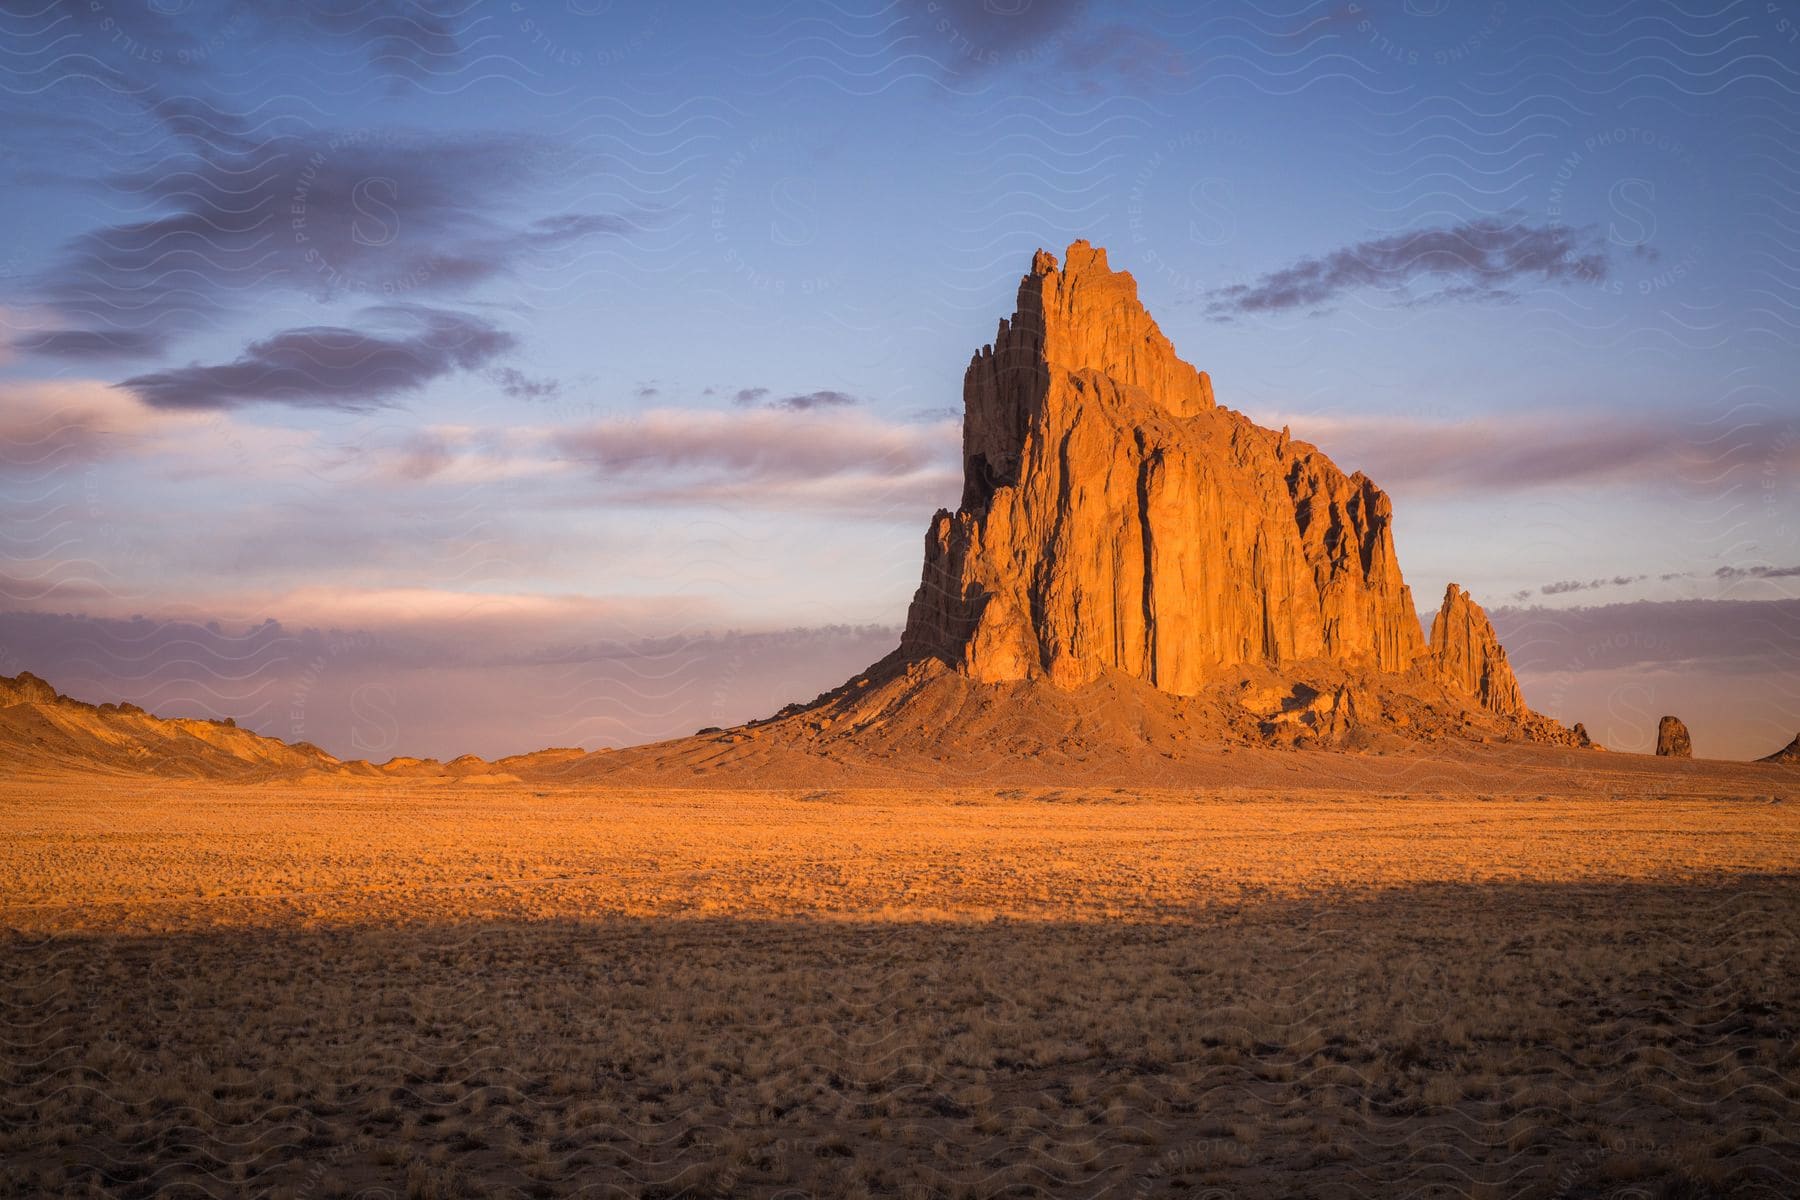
pixel 1672 739
pixel 1114 517
pixel 1092 319
pixel 25 688
pixel 1468 655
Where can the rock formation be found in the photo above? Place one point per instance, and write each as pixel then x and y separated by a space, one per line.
pixel 1114 517
pixel 1467 656
pixel 1789 753
pixel 1672 739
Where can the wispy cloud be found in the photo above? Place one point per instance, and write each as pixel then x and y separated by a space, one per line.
pixel 241 209
pixel 89 345
pixel 1563 587
pixel 1735 573
pixel 332 367
pixel 1724 635
pixel 1476 259
pixel 1544 449
pixel 776 456
pixel 520 386
pixel 793 402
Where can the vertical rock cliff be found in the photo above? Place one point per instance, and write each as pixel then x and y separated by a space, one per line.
pixel 1468 657
pixel 1115 517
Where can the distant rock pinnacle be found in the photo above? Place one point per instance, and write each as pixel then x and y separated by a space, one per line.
pixel 1672 739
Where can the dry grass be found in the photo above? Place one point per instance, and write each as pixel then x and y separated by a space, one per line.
pixel 461 991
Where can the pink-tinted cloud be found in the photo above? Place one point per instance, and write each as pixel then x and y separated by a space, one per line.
pixel 836 459
pixel 1531 449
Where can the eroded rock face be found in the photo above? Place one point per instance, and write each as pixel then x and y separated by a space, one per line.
pixel 1469 658
pixel 1114 516
pixel 25 688
pixel 1672 739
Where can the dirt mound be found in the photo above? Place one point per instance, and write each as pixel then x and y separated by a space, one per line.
pixel 919 722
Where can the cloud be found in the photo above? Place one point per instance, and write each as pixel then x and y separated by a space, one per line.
pixel 810 400
pixel 982 33
pixel 1476 259
pixel 1064 39
pixel 570 227
pixel 796 402
pixel 238 210
pixel 519 386
pixel 1723 635
pixel 1563 587
pixel 1125 51
pixel 1528 450
pixel 412 39
pixel 1736 573
pixel 88 344
pixel 830 457
pixel 406 39
pixel 332 367
pixel 46 426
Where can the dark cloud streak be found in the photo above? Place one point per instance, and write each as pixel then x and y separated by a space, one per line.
pixel 796 402
pixel 241 210
pixel 1473 260
pixel 326 366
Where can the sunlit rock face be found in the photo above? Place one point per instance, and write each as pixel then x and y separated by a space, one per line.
pixel 1114 516
pixel 1468 656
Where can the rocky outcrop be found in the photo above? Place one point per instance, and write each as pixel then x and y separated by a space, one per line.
pixel 42 730
pixel 1114 517
pixel 25 688
pixel 1468 657
pixel 1672 739
pixel 1789 753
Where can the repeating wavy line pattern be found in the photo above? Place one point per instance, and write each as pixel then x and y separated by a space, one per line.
pixel 1585 1042
pixel 1350 1046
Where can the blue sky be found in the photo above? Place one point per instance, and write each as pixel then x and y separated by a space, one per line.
pixel 572 348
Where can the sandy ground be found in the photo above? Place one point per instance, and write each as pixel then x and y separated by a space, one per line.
pixel 1451 982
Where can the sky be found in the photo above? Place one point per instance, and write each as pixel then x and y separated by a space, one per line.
pixel 478 376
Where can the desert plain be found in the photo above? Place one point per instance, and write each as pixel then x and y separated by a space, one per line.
pixel 1494 975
